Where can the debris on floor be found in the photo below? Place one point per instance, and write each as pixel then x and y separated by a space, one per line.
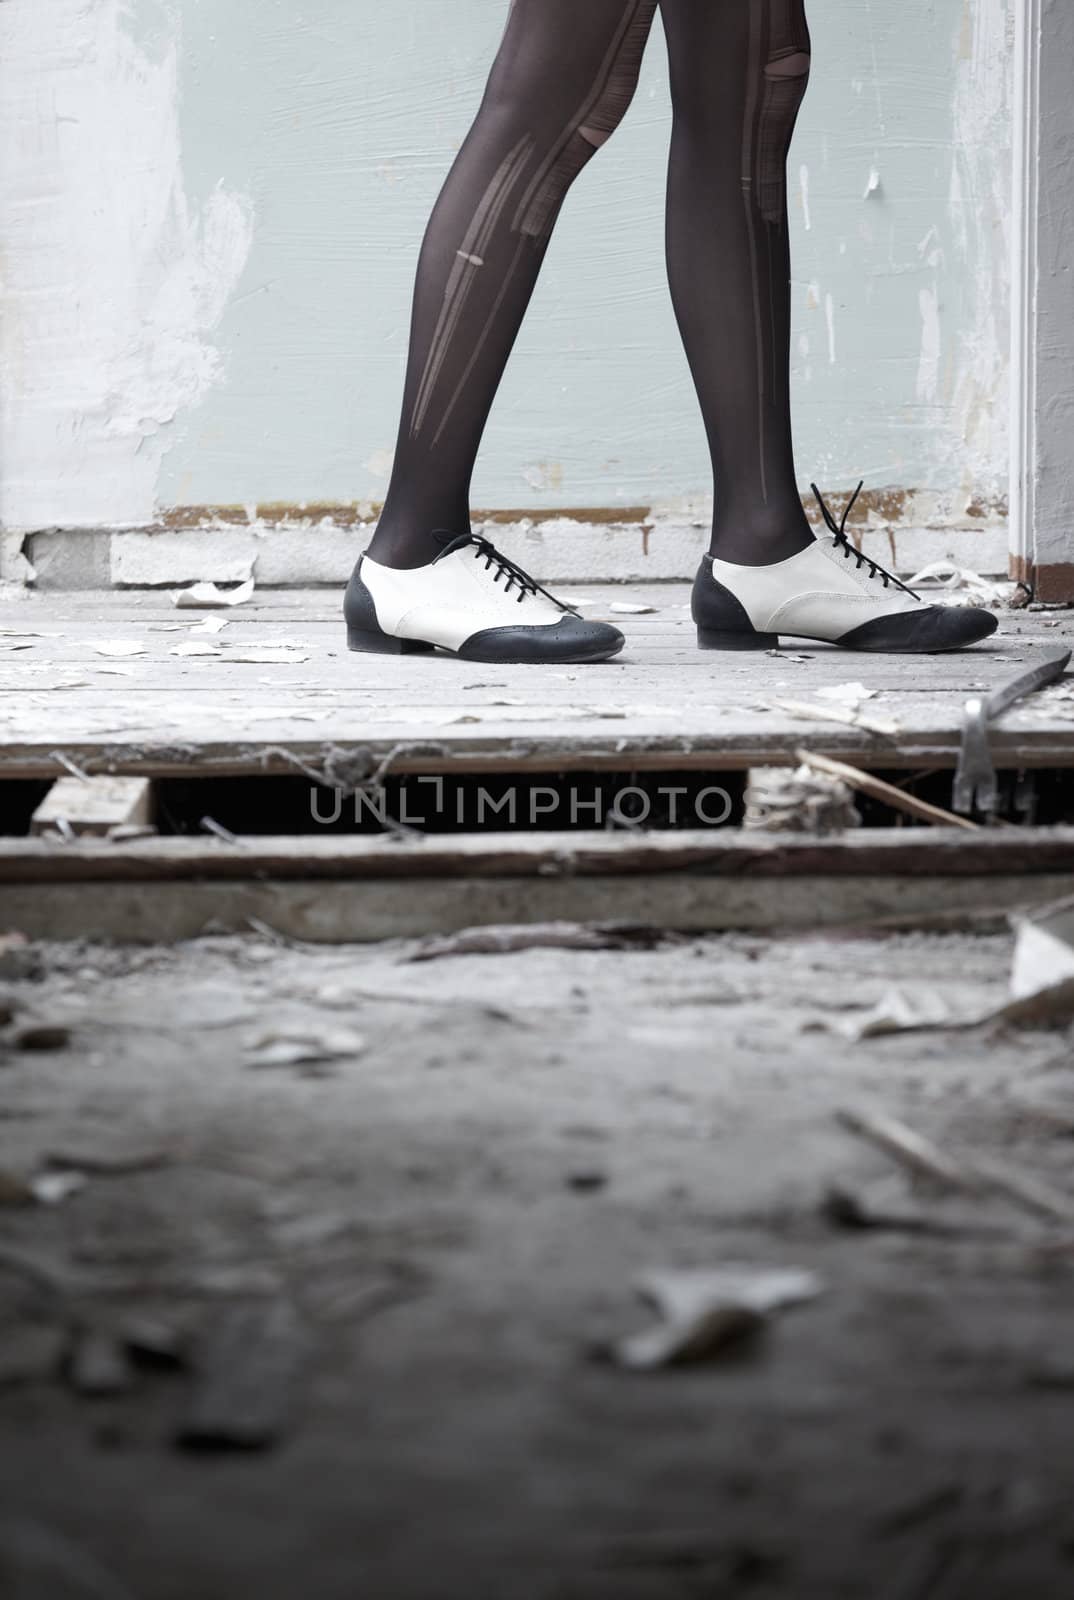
pixel 303 1048
pixel 966 1175
pixel 211 594
pixel 878 789
pixel 248 1367
pixel 963 582
pixel 708 1312
pixel 797 800
pixel 510 938
pixel 1040 994
pixel 1043 952
pixel 372 1292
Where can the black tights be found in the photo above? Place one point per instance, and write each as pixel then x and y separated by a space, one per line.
pixel 561 82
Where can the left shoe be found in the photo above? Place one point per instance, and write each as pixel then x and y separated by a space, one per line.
pixel 473 601
pixel 828 591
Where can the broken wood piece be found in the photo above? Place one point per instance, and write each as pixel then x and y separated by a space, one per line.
pixel 707 1312
pixel 1025 1191
pixel 976 1175
pixel 910 1149
pixel 877 789
pixel 248 1369
pixel 92 806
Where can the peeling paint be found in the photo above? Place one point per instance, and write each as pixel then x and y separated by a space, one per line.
pixel 111 280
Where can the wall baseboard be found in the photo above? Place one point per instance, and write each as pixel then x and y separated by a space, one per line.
pixel 301 551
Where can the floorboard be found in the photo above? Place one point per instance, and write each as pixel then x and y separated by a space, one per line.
pixel 661 704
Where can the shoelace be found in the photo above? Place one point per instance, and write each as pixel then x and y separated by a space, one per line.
pixel 841 542
pixel 502 566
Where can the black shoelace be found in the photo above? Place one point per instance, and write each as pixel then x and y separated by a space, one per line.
pixel 501 566
pixel 841 542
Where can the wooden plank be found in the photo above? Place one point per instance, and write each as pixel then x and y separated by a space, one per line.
pixel 345 912
pixel 661 705
pixel 199 751
pixel 93 806
pixel 711 853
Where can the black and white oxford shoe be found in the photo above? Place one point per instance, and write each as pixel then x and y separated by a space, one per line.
pixel 474 601
pixel 828 591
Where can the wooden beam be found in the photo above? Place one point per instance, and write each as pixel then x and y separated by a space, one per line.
pixel 712 853
pixel 504 749
pixel 345 912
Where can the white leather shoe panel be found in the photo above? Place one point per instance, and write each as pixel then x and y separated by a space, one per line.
pixel 447 601
pixel 819 592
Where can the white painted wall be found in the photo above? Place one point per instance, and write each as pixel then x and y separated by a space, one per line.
pixel 210 212
pixel 112 281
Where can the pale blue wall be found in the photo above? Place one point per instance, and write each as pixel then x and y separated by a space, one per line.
pixel 339 119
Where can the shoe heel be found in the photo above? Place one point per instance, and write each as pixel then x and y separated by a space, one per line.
pixel 385 644
pixel 728 639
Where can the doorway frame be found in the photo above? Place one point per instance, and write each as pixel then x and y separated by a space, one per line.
pixel 1042 280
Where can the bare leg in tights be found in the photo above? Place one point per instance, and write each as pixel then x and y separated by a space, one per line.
pixel 561 83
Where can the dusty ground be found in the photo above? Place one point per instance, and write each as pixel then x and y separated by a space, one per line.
pixel 457 1213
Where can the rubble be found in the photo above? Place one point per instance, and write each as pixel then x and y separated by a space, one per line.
pixel 707 1312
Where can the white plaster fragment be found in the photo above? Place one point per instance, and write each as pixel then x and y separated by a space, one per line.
pixel 207 594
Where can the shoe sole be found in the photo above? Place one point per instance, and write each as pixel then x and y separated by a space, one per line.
pixel 384 644
pixel 721 639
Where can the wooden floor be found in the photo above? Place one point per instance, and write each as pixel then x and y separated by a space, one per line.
pixel 276 689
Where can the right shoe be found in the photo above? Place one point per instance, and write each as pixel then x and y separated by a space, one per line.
pixel 473 601
pixel 829 591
